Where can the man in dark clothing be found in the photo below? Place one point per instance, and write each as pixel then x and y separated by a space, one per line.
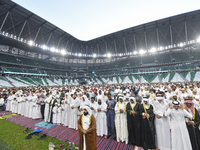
pixel 5 96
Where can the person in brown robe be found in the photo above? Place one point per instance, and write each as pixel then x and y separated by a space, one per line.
pixel 87 130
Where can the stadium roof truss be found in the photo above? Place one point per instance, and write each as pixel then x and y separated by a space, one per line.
pixel 18 26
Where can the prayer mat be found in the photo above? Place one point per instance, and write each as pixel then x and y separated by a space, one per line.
pixel 7 116
pixel 45 125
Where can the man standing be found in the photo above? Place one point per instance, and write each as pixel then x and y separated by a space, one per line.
pixel 87 130
pixel 138 98
pixel 133 121
pixel 52 105
pixel 42 104
pixel 5 96
pixel 121 120
pixel 101 119
pixel 193 124
pixel 147 125
pixel 111 115
pixel 74 104
pixel 162 124
pixel 179 133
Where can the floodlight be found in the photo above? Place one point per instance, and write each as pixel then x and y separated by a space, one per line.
pixel 57 50
pixel 79 54
pixel 63 52
pixel 161 48
pixel 94 55
pixel 30 42
pixel 109 55
pixel 198 40
pixel 141 51
pixel 181 44
pixel 44 47
pixel 135 52
pixel 52 49
pixel 153 50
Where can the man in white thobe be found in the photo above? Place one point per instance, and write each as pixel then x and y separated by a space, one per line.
pixel 93 106
pixel 162 124
pixel 101 119
pixel 67 109
pixel 46 110
pixel 179 132
pixel 121 120
pixel 74 104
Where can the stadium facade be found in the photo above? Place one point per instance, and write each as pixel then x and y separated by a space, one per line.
pixel 33 51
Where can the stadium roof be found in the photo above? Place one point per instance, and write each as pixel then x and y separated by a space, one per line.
pixel 27 26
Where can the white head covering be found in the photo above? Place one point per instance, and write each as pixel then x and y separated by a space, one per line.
pixel 159 97
pixel 133 98
pixel 145 99
pixel 88 109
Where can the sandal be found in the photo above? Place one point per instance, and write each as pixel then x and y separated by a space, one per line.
pixel 26 131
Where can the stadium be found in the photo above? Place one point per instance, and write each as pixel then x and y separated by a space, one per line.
pixel 34 53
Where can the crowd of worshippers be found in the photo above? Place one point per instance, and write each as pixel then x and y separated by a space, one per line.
pixel 154 116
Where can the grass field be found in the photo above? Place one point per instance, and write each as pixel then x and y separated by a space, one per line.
pixel 12 136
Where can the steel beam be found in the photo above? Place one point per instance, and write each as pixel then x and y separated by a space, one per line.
pixel 22 28
pixel 37 34
pixel 4 21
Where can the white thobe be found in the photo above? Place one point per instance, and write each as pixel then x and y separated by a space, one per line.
pixel 26 112
pixel 74 113
pixel 179 132
pixel 162 127
pixel 101 119
pixel 121 123
pixel 54 114
pixel 30 111
pixel 46 111
pixel 36 109
pixel 19 100
pixel 67 111
pixel 94 107
pixel 59 115
pixel 85 127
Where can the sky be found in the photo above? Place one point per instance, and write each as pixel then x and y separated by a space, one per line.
pixel 89 19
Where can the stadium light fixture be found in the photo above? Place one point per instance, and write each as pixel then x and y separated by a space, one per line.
pixel 135 53
pixel 153 50
pixel 79 54
pixel 30 43
pixel 181 44
pixel 94 55
pixel 108 55
pixel 52 49
pixel 56 50
pixel 198 40
pixel 44 47
pixel 63 52
pixel 141 52
pixel 161 48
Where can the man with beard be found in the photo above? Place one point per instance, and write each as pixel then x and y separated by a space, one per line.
pixel 74 104
pixel 111 115
pixel 87 130
pixel 101 119
pixel 52 105
pixel 121 120
pixel 193 124
pixel 147 125
pixel 133 121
